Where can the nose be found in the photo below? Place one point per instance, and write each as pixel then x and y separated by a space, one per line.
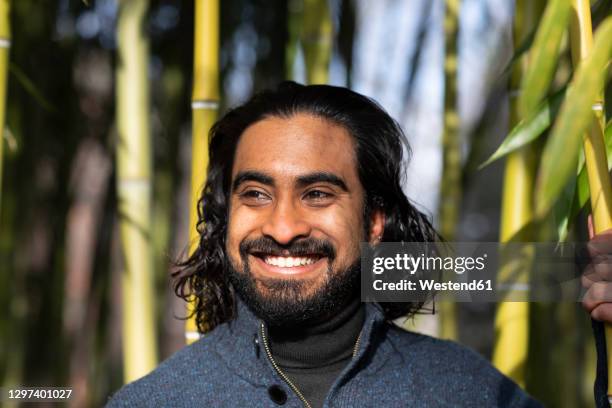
pixel 286 223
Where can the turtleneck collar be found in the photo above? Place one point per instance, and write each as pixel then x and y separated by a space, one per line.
pixel 322 344
pixel 242 336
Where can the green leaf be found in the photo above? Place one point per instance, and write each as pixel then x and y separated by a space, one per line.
pixel 519 51
pixel 562 209
pixel 581 192
pixel 561 151
pixel 543 56
pixel 570 206
pixel 572 200
pixel 529 129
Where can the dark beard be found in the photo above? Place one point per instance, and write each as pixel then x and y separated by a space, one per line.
pixel 283 304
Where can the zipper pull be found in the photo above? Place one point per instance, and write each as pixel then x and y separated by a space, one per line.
pixel 256 345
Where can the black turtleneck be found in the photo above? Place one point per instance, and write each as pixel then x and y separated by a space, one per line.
pixel 313 357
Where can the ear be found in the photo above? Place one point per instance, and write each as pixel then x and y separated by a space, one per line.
pixel 377 226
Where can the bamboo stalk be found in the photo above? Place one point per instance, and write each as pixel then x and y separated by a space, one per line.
pixel 512 318
pixel 450 194
pixel 134 191
pixel 294 25
pixel 581 36
pixel 5 44
pixel 204 106
pixel 317 38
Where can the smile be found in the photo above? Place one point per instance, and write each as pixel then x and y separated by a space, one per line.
pixel 289 261
pixel 297 266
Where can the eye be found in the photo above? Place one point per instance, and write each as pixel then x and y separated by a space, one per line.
pixel 255 197
pixel 318 196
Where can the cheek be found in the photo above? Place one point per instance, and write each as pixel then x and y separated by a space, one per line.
pixel 345 230
pixel 241 224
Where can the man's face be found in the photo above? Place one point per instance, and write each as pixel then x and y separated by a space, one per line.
pixel 296 216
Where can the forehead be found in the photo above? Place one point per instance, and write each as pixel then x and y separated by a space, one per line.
pixel 296 145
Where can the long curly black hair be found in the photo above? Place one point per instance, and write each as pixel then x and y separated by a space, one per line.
pixel 381 146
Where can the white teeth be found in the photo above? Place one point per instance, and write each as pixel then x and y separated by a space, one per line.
pixel 288 261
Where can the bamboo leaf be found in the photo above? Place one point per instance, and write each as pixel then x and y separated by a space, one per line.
pixel 561 151
pixel 543 56
pixel 564 208
pixel 529 129
pixel 582 191
pixel 519 51
pixel 599 11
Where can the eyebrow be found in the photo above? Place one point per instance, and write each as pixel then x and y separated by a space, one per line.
pixel 251 175
pixel 321 177
pixel 301 181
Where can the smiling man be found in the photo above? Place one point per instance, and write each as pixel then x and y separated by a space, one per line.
pixel 296 219
pixel 298 178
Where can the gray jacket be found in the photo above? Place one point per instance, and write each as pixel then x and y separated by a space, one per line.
pixel 229 367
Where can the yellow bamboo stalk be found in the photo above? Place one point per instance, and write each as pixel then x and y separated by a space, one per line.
pixel 204 106
pixel 5 45
pixel 294 28
pixel 317 38
pixel 450 194
pixel 581 36
pixel 134 191
pixel 512 318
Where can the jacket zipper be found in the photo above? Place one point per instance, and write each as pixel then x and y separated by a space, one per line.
pixel 279 371
pixel 282 374
pixel 356 348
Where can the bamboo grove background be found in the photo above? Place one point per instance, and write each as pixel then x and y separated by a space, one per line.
pixel 104 100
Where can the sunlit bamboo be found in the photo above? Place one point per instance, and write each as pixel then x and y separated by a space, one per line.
pixel 316 39
pixel 512 318
pixel 204 105
pixel 134 189
pixel 581 36
pixel 450 194
pixel 5 45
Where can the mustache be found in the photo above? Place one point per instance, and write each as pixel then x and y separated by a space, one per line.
pixel 302 247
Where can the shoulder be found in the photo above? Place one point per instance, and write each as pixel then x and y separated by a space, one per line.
pixel 455 371
pixel 178 378
pixel 436 353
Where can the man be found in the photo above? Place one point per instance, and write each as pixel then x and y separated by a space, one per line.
pixel 298 177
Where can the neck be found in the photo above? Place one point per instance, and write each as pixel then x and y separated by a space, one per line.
pixel 319 344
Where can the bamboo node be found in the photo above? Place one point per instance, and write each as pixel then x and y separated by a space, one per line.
pixel 598 106
pixel 5 43
pixel 204 104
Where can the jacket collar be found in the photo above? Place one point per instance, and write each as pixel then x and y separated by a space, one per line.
pixel 241 345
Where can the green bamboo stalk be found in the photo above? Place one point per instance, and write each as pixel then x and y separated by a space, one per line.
pixel 204 105
pixel 450 193
pixel 512 318
pixel 317 39
pixel 134 187
pixel 5 44
pixel 581 35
